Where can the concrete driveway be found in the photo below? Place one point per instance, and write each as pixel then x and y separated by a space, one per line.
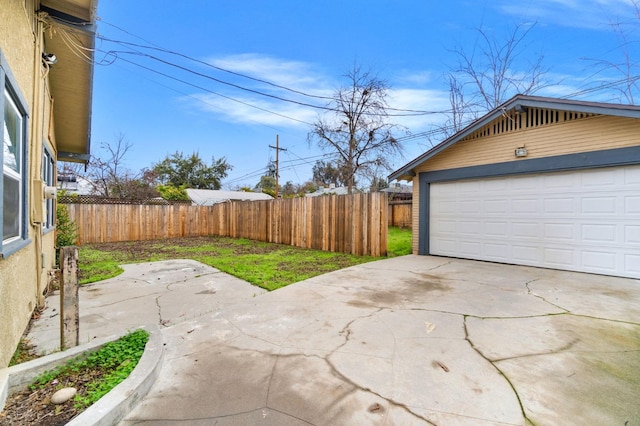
pixel 409 340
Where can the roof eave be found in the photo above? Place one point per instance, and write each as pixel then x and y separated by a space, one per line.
pixel 517 102
pixel 71 78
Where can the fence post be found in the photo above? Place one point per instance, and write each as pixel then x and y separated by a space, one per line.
pixel 69 311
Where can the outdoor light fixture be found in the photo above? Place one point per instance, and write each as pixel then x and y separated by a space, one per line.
pixel 521 152
pixel 49 58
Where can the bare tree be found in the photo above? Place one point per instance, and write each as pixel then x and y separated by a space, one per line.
pixel 625 66
pixel 106 174
pixel 486 75
pixel 358 130
pixel 461 111
pixel 109 177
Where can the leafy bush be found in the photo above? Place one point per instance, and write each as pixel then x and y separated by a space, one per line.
pixel 173 193
pixel 66 229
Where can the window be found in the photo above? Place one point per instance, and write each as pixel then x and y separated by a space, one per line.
pixel 47 178
pixel 13 187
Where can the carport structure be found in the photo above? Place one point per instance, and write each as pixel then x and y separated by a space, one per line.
pixel 538 181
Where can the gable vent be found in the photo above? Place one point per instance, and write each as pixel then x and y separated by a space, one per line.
pixel 533 117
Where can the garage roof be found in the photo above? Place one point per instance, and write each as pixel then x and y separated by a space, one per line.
pixel 518 102
pixel 209 197
pixel 71 77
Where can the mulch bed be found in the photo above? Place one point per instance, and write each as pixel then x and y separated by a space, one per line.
pixel 33 407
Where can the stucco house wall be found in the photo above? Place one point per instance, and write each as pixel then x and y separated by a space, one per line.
pixel 18 272
pixel 27 261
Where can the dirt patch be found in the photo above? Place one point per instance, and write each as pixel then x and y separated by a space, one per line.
pixel 174 248
pixel 374 298
pixel 25 351
pixel 92 374
pixel 427 282
pixel 241 252
pixel 34 407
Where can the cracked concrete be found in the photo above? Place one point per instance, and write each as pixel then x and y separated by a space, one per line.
pixel 162 293
pixel 409 340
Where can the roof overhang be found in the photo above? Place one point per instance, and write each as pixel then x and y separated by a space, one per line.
pixel 518 103
pixel 72 40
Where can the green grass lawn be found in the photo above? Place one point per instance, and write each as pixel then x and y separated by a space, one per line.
pixel 266 265
pixel 398 241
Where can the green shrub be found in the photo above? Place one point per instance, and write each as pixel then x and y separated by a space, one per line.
pixel 173 193
pixel 66 230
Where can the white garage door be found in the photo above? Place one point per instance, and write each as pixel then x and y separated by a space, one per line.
pixel 587 220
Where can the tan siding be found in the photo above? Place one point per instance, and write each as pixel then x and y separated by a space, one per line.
pixel 593 133
pixel 584 135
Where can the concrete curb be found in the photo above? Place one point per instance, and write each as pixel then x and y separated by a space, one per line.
pixel 112 407
pixel 20 376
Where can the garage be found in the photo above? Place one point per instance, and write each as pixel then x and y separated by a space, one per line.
pixel 543 182
pixel 587 220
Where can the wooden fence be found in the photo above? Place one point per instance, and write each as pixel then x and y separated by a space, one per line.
pixel 355 224
pixel 400 213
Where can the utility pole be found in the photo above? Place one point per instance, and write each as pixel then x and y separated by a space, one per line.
pixel 278 149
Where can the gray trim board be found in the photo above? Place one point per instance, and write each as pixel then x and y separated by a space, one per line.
pixel 558 163
pixel 14 89
pixel 9 82
pixel 585 160
pixel 69 20
pixel 423 225
pixel 72 156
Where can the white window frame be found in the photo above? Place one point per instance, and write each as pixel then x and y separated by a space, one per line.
pixel 11 97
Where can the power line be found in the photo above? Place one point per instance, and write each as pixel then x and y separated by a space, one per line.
pixel 410 112
pixel 601 87
pixel 404 112
pixel 171 52
pixel 212 92
pixel 294 169
pixel 217 80
pixel 291 166
pixel 207 64
pixel 310 159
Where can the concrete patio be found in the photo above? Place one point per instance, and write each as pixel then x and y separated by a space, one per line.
pixel 408 340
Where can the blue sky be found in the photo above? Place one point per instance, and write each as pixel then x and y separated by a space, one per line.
pixel 163 102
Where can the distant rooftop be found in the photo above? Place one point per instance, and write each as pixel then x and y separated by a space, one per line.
pixel 209 197
pixel 340 190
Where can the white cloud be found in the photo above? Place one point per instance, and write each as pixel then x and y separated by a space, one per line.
pixel 243 107
pixel 412 77
pixel 416 92
pixel 297 75
pixel 416 99
pixel 254 101
pixel 254 110
pixel 589 14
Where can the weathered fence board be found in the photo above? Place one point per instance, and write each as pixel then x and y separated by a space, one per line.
pixel 400 214
pixel 354 224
